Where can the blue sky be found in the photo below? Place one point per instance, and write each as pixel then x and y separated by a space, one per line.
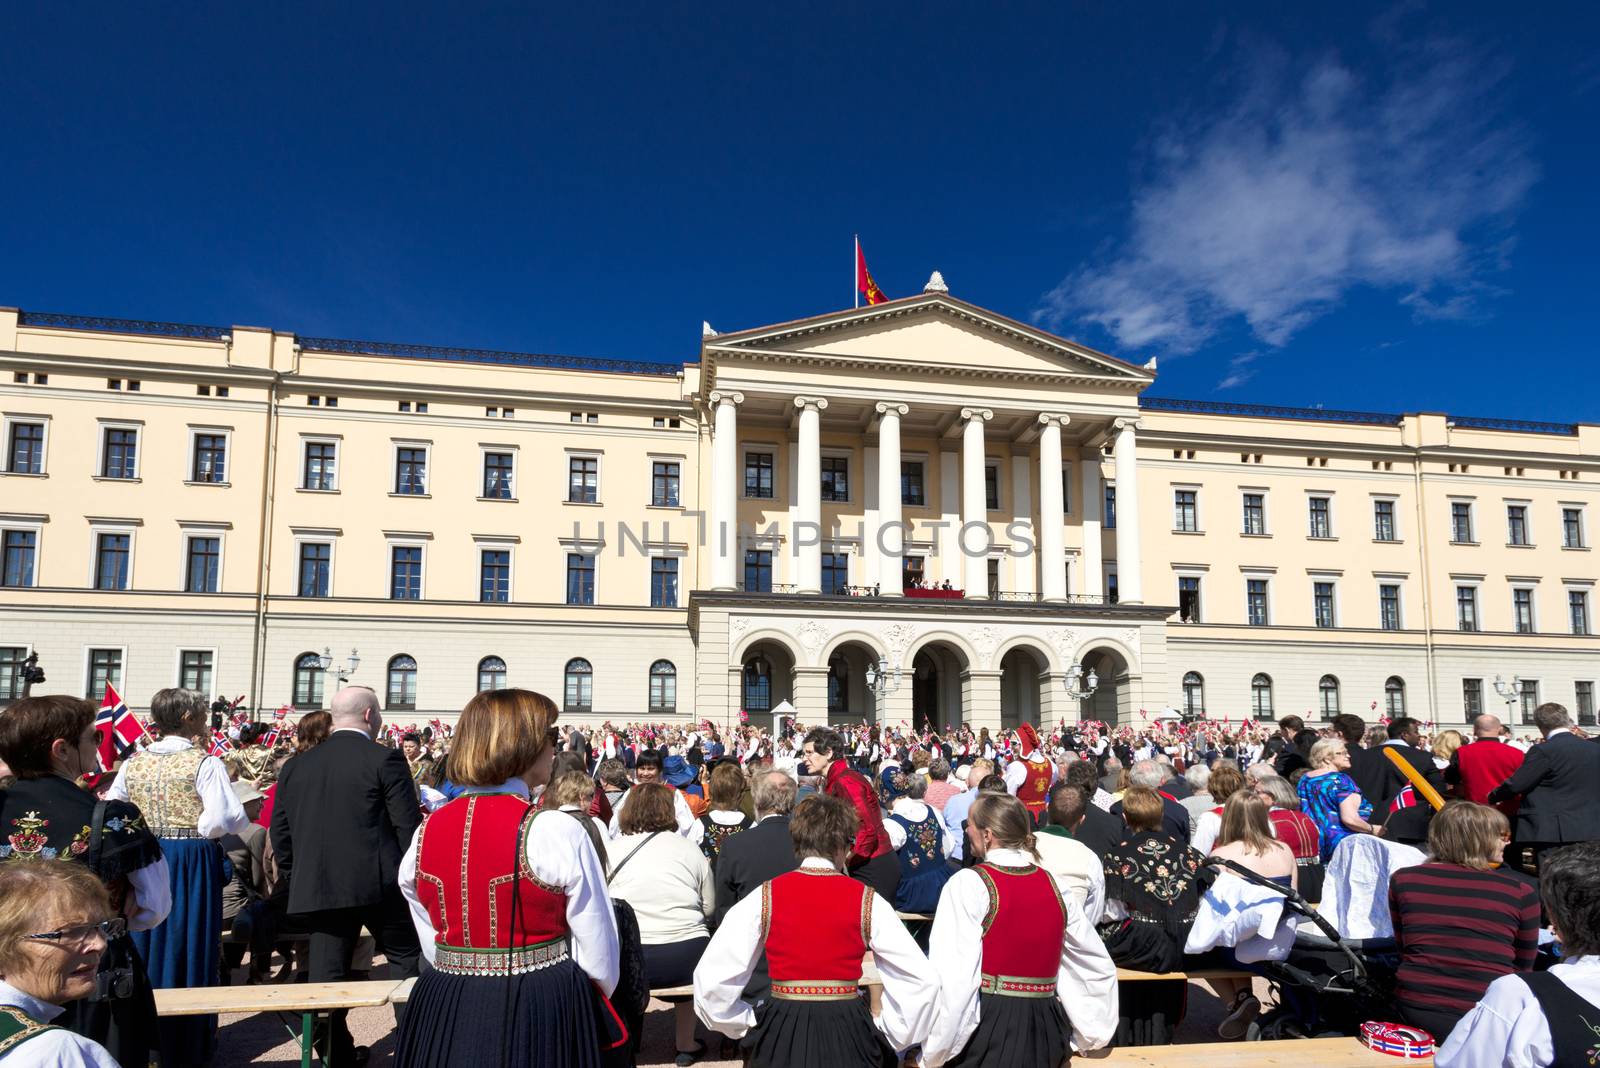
pixel 1384 207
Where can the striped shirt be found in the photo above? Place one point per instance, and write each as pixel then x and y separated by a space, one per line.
pixel 1459 929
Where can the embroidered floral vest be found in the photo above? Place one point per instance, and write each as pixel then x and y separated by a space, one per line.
pixel 163 786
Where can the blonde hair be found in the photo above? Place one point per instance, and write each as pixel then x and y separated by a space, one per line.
pixel 1004 817
pixel 500 735
pixel 1142 809
pixel 1446 743
pixel 726 787
pixel 31 893
pixel 1245 820
pixel 1323 751
pixel 571 788
pixel 1467 834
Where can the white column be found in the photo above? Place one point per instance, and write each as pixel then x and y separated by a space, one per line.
pixel 723 535
pixel 1052 517
pixel 1093 500
pixel 887 535
pixel 808 497
pixel 1021 579
pixel 947 552
pixel 974 505
pixel 1130 589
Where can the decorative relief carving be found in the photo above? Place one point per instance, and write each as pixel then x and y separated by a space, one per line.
pixel 813 635
pixel 1062 638
pixel 737 625
pixel 897 639
pixel 984 640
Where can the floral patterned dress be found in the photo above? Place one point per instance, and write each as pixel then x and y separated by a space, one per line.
pixel 923 868
pixel 1157 882
pixel 1320 797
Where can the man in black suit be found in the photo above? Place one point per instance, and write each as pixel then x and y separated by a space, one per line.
pixel 752 857
pixel 1100 830
pixel 1366 765
pixel 344 815
pixel 1153 775
pixel 1408 825
pixel 1559 783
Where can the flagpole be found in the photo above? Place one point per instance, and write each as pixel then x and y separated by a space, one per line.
pixel 855 271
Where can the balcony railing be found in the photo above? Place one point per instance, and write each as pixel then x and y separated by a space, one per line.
pixel 931 594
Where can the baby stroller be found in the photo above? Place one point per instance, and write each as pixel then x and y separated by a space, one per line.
pixel 1329 985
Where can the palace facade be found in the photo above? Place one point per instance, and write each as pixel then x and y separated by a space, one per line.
pixel 919 511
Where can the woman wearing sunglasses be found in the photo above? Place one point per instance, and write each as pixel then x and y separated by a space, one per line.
pixel 53 928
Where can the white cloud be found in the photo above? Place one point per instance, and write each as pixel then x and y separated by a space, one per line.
pixel 1313 181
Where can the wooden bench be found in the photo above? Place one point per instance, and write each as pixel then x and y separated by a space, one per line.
pixel 1286 1053
pixel 307 999
pixel 871 980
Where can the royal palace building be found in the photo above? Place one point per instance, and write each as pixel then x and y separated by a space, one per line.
pixel 919 511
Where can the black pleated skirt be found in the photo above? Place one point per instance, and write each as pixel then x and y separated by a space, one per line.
pixel 549 1018
pixel 1017 1033
pixel 817 1034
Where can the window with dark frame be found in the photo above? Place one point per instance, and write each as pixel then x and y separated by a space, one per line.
pixel 1110 521
pixel 991 487
pixel 111 561
pixel 25 452
pixel 758 570
pixel 1583 691
pixel 836 573
pixel 21 553
pixel 318 470
pixel 1528 698
pixel 11 658
pixel 405 572
pixel 993 571
pixel 1572 528
pixel 1328 696
pixel 1394 697
pixel 1185 511
pixel 1517 524
pixel 758 475
pixel 316 562
pixel 308 679
pixel 1389 606
pixel 1256 601
pixel 1471 698
pixel 580 578
pixel 1466 608
pixel 491 674
pixel 1383 520
pixel 1578 610
pixel 1255 513
pixel 210 458
pixel 494 580
pixel 1461 522
pixel 1261 696
pixel 201 570
pixel 105 669
pixel 912 489
pixel 663 582
pixel 195 670
pixel 411 472
pixel 664 483
pixel 1189 598
pixel 583 480
pixel 663 688
pixel 835 478
pixel 1522 609
pixel 1322 603
pixel 1194 694
pixel 402 683
pixel 497 473
pixel 1321 517
pixel 120 457
pixel 578 690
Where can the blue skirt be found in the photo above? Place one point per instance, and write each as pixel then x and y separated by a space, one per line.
pixel 185 950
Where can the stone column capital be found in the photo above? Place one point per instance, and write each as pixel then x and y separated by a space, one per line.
pixel 980 414
pixel 894 408
pixel 816 404
pixel 1129 423
pixel 726 397
pixel 1056 419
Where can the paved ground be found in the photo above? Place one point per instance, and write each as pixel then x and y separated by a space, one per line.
pixel 262 1039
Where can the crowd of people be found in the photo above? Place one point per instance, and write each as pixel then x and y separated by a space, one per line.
pixel 541 881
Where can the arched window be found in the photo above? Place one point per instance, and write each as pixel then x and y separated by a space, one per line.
pixel 491 674
pixel 308 681
pixel 1261 696
pixel 1328 695
pixel 402 683
pixel 838 685
pixel 579 686
pixel 1194 694
pixel 1394 696
pixel 663 687
pixel 756 698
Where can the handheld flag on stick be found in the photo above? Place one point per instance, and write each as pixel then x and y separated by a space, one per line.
pixel 120 730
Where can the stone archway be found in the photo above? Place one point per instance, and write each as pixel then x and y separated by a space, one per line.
pixel 766 679
pixel 1113 699
pixel 850 700
pixel 938 671
pixel 1024 681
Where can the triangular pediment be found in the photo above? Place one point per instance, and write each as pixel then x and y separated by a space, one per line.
pixel 935 332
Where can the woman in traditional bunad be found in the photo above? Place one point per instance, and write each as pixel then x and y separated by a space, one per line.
pixel 188 803
pixel 815 925
pixel 1031 774
pixel 1023 978
pixel 510 906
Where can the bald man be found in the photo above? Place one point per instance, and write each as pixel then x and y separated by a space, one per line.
pixel 1484 763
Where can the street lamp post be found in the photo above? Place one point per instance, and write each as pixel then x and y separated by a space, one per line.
pixel 1080 688
pixel 882 682
pixel 1509 693
pixel 353 661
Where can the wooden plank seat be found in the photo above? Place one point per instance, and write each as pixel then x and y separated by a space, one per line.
pixel 1286 1053
pixel 306 999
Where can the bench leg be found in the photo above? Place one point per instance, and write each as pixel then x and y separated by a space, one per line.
pixel 307 1021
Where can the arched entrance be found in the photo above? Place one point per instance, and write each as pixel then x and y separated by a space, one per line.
pixel 850 700
pixel 766 679
pixel 1112 699
pixel 936 671
pixel 1023 675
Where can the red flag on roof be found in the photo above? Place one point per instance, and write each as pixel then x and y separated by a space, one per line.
pixel 864 283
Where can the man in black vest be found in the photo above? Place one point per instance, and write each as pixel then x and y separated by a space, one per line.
pixel 344 815
pixel 1559 783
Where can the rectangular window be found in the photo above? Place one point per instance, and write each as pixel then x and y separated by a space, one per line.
pixel 1383 521
pixel 1584 692
pixel 1578 610
pixel 105 668
pixel 1110 521
pixel 195 669
pixel 201 569
pixel 994 578
pixel 1321 517
pixel 580 578
pixel 991 487
pixel 664 484
pixel 1528 698
pixel 836 573
pixel 1517 524
pixel 21 551
pixel 111 561
pixel 316 563
pixel 1189 598
pixel 210 458
pixel 1471 698
pixel 405 573
pixel 1255 595
pixel 411 472
pixel 1185 511
pixel 758 570
pixel 1461 522
pixel 120 457
pixel 583 480
pixel 1322 603
pixel 494 575
pixel 1522 609
pixel 25 452
pixel 758 475
pixel 664 581
pixel 1389 606
pixel 835 478
pixel 497 469
pixel 1572 528
pixel 318 470
pixel 11 658
pixel 1466 608
pixel 1066 490
pixel 912 488
pixel 1255 513
pixel 912 572
pixel 1111 587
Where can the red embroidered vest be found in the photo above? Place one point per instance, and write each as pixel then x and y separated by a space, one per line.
pixel 817 926
pixel 1024 929
pixel 464 877
pixel 1034 792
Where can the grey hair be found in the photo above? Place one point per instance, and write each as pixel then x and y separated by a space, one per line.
pixel 939 768
pixel 1147 773
pixel 171 708
pixel 774 793
pixel 1198 776
pixel 1278 788
pixel 1113 764
pixel 916 786
pixel 1550 717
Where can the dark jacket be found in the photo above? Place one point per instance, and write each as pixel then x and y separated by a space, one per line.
pixel 1367 771
pixel 1100 830
pixel 1408 825
pixel 1559 783
pixel 344 815
pixel 1174 818
pixel 749 859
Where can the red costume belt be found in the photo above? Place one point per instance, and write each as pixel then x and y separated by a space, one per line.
pixel 472 960
pixel 1018 986
pixel 815 990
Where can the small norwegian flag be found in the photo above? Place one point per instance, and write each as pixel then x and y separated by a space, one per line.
pixel 219 744
pixel 277 727
pixel 120 730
